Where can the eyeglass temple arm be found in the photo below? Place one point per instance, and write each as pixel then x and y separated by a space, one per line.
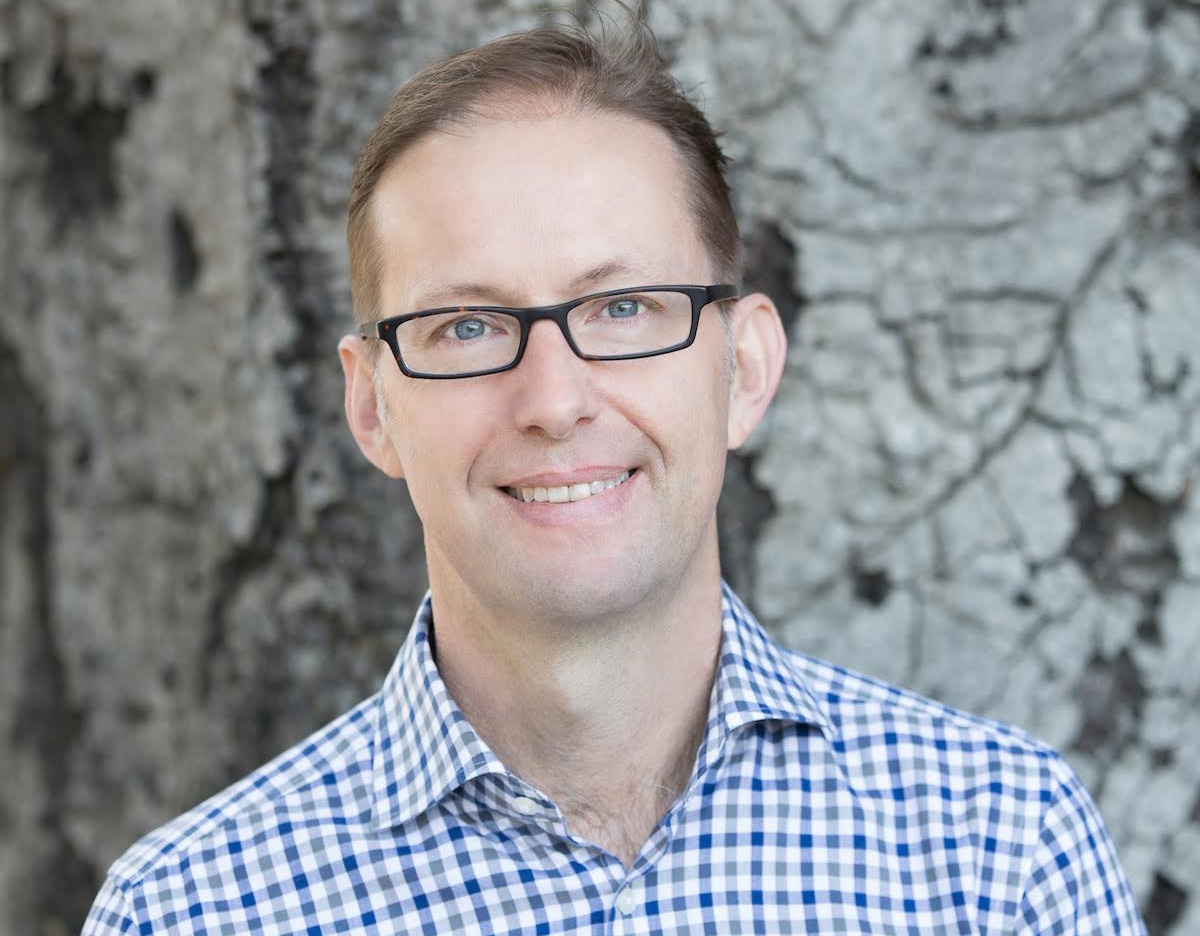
pixel 724 291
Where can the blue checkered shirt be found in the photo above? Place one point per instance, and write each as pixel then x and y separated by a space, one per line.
pixel 821 801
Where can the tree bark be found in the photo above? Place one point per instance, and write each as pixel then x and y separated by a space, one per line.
pixel 981 222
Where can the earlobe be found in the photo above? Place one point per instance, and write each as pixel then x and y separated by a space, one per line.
pixel 362 410
pixel 760 350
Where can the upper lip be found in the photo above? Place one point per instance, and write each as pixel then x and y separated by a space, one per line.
pixel 549 479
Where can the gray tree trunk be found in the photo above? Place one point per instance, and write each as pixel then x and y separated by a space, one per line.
pixel 981 221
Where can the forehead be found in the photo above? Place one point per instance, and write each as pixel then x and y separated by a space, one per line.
pixel 526 207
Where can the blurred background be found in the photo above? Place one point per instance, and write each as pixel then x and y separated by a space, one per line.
pixel 980 220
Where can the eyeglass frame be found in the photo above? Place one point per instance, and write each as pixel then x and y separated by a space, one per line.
pixel 701 296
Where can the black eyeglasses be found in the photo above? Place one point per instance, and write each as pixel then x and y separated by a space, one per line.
pixel 471 341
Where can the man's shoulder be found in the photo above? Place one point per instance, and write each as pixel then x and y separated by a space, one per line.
pixel 874 720
pixel 324 778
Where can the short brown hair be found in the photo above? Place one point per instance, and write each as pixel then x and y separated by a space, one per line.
pixel 546 70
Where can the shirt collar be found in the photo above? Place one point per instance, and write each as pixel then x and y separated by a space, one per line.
pixel 757 679
pixel 425 748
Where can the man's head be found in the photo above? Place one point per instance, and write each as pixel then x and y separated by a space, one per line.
pixel 527 197
pixel 549 71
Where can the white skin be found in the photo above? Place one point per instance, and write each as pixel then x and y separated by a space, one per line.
pixel 582 650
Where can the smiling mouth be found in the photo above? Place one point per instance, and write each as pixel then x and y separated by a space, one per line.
pixel 568 493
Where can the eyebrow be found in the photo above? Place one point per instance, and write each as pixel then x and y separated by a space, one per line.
pixel 484 293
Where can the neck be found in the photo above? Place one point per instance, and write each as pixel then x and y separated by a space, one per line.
pixel 607 724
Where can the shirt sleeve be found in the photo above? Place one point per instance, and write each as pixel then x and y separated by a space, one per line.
pixel 110 912
pixel 1076 884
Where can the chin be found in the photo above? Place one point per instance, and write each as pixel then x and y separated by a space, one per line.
pixel 580 594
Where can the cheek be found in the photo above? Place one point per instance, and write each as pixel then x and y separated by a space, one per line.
pixel 684 407
pixel 439 440
pixel 704 386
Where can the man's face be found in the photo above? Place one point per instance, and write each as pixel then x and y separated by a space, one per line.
pixel 533 213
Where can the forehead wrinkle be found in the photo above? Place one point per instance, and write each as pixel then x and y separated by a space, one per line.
pixel 602 274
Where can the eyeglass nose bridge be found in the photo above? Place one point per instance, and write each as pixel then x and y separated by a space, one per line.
pixel 558 314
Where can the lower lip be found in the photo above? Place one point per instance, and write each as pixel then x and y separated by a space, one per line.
pixel 594 509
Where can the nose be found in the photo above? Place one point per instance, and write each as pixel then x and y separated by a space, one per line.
pixel 553 389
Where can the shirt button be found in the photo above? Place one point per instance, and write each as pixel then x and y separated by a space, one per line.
pixel 626 900
pixel 525 806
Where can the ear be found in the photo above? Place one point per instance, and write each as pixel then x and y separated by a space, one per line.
pixel 362 410
pixel 760 350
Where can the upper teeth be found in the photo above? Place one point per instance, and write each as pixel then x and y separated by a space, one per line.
pixel 568 492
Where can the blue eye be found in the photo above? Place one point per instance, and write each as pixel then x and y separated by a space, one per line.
pixel 468 329
pixel 623 308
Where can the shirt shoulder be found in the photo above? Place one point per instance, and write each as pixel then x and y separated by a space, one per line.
pixel 324 778
pixel 905 746
pixel 998 792
pixel 978 811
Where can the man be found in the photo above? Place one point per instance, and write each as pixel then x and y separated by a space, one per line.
pixel 585 730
